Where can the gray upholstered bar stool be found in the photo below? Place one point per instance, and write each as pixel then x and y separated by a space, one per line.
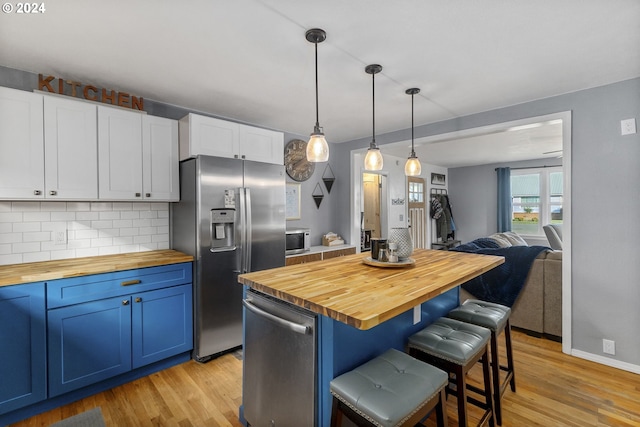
pixel 393 389
pixel 455 347
pixel 494 317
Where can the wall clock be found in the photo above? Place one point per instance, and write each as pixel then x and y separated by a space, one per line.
pixel 295 160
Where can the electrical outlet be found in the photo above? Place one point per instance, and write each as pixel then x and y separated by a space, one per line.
pixel 417 314
pixel 60 237
pixel 608 346
pixel 401 217
pixel 628 126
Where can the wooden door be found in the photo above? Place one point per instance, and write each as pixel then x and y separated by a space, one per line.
pixel 371 190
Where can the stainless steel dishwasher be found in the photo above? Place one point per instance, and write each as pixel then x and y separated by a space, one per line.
pixel 280 368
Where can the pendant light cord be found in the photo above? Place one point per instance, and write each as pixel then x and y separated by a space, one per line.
pixel 317 115
pixel 373 90
pixel 413 153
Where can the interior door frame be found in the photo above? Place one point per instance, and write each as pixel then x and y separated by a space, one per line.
pixel 566 117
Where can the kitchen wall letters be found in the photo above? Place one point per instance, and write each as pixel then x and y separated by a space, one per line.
pixel 89 92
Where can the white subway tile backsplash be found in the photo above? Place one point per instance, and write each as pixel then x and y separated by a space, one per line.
pixel 39 236
pixel 85 234
pixel 130 214
pixel 87 216
pixel 122 223
pixel 78 206
pixel 142 206
pixel 93 228
pixel 131 231
pixel 101 224
pixel 11 259
pixel 101 206
pixel 63 216
pixel 141 223
pixel 10 217
pixel 141 239
pixel 25 206
pixel 54 206
pixel 21 248
pixel 101 241
pixel 122 206
pixel 110 215
pixel 24 227
pixel 80 253
pixel 36 216
pixel 36 256
pixel 11 238
pixel 108 250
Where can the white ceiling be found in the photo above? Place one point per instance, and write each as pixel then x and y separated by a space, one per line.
pixel 249 59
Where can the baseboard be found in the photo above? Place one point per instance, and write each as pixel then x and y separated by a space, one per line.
pixel 606 361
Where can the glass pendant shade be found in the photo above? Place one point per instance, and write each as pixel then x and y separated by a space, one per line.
pixel 412 167
pixel 317 148
pixel 373 160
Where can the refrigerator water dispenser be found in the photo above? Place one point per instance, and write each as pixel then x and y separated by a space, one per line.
pixel 223 230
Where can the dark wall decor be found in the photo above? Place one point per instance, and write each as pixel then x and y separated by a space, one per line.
pixel 328 178
pixel 317 195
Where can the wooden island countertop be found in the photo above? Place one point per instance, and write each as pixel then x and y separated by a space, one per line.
pixel 364 296
pixel 16 274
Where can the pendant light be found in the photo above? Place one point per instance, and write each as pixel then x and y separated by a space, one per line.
pixel 317 147
pixel 373 160
pixel 412 167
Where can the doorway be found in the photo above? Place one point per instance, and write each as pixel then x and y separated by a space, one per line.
pixel 371 189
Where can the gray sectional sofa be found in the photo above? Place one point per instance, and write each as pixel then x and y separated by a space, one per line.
pixel 538 308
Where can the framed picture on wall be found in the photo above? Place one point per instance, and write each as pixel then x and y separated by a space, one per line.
pixel 438 178
pixel 292 201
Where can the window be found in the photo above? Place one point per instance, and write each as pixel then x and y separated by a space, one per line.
pixel 536 197
pixel 416 191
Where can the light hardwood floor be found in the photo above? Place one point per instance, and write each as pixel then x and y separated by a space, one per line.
pixel 553 390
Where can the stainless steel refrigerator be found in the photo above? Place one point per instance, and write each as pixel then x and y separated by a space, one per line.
pixel 231 218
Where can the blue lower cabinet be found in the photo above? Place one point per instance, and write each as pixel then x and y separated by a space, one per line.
pixel 109 324
pixel 162 324
pixel 88 342
pixel 23 364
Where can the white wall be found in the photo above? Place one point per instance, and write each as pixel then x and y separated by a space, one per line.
pixel 27 229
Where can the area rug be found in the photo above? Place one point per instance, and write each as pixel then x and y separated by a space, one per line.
pixel 90 418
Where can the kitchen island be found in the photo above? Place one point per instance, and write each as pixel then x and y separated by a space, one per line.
pixel 364 310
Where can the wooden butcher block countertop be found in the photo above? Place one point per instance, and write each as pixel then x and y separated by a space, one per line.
pixel 49 270
pixel 364 296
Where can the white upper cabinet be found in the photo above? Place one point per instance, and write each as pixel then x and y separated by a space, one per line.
pixel 160 165
pixel 137 156
pixel 119 154
pixel 261 145
pixel 220 138
pixel 21 145
pixel 70 149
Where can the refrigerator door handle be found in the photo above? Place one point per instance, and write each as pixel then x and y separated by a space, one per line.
pixel 292 326
pixel 248 236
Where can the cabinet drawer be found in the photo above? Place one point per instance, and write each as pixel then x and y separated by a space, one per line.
pixel 77 290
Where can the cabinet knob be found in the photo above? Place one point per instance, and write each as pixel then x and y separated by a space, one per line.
pixel 125 302
pixel 138 299
pixel 37 192
pixel 137 194
pixel 53 193
pixel 147 194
